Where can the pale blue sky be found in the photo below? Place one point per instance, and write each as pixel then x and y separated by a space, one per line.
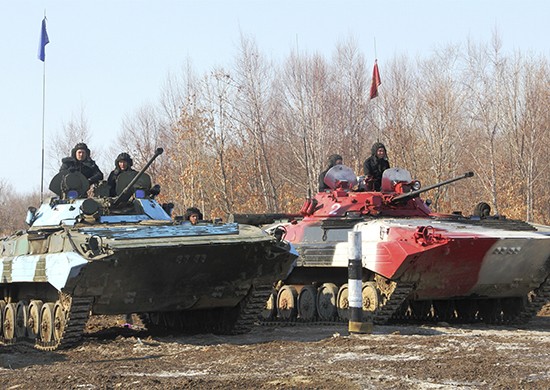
pixel 111 57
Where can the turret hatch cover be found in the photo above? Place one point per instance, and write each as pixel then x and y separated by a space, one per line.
pixel 124 178
pixel 338 175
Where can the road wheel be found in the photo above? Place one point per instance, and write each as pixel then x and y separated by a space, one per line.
pixel 21 314
pixel 47 322
pixel 326 301
pixel 286 303
pixel 59 321
pixel 9 323
pixel 33 319
pixel 307 309
pixel 371 300
pixel 342 302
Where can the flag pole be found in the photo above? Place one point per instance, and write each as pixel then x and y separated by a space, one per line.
pixel 43 127
pixel 44 40
pixel 374 87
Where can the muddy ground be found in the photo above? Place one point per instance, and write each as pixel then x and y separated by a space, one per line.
pixel 441 356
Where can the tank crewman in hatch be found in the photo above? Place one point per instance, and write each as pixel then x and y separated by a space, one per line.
pixel 334 159
pixel 193 215
pixel 81 161
pixel 375 165
pixel 123 163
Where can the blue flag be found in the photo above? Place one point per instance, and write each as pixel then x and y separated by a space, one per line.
pixel 44 40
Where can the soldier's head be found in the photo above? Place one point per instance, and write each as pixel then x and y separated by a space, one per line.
pixel 193 215
pixel 334 159
pixel 379 150
pixel 80 152
pixel 123 161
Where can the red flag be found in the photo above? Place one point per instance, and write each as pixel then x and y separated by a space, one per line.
pixel 375 81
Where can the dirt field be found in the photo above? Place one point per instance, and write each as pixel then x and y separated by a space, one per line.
pixel 320 357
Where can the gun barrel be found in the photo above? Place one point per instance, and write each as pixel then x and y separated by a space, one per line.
pixel 128 188
pixel 261 219
pixel 413 194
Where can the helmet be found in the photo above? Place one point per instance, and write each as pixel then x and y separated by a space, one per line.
pixel 124 157
pixel 192 210
pixel 78 146
pixel 332 159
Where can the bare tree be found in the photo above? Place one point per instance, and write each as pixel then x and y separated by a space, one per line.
pixel 140 136
pixel 74 131
pixel 350 102
pixel 440 115
pixel 252 112
pixel 13 208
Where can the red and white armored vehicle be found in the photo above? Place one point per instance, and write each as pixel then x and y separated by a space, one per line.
pixel 417 265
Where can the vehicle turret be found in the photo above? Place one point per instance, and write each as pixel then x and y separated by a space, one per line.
pixel 125 194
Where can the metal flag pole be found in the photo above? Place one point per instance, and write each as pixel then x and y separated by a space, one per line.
pixel 375 62
pixel 43 126
pixel 44 40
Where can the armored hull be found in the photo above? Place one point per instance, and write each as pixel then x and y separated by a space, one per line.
pixel 103 256
pixel 417 265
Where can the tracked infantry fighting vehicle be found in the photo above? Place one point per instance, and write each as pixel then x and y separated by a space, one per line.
pixel 417 265
pixel 124 254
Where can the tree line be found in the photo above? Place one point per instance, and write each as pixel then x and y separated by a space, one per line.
pixel 253 137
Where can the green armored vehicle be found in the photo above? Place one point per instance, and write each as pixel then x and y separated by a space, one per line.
pixel 124 254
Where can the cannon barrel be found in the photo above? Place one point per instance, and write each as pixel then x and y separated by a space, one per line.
pixel 414 194
pixel 125 194
pixel 261 219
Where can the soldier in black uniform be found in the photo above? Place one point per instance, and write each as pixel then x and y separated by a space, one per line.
pixel 80 161
pixel 375 165
pixel 193 215
pixel 123 163
pixel 334 159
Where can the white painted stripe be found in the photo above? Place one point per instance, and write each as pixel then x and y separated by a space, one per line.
pixel 60 265
pixel 58 268
pixel 23 268
pixel 354 293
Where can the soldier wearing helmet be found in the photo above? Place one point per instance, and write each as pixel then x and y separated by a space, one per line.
pixel 80 161
pixel 123 163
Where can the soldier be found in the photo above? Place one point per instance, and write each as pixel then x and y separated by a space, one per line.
pixel 334 159
pixel 81 161
pixel 123 163
pixel 375 165
pixel 193 215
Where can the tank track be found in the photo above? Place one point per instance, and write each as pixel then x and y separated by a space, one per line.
pixel 520 313
pixel 235 320
pixel 75 321
pixel 392 307
pixel 74 328
pixel 251 308
pixel 536 301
